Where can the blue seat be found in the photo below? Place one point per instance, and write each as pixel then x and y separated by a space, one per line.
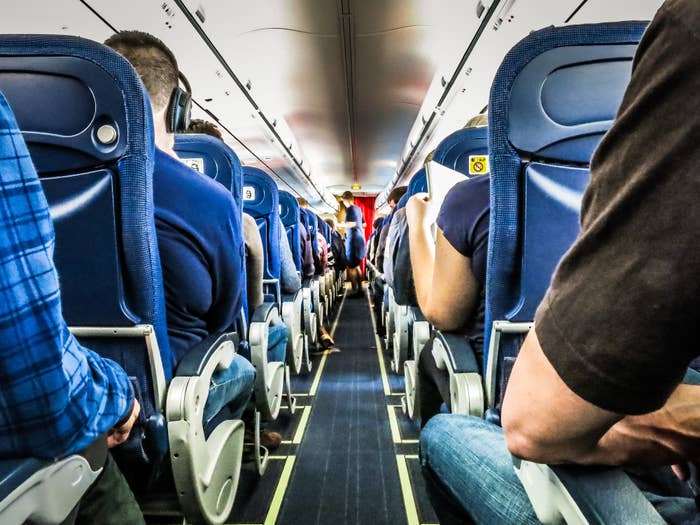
pixel 290 216
pixel 33 489
pixel 454 150
pixel 312 287
pixel 318 288
pixel 96 168
pixel 452 352
pixel 327 278
pixel 557 92
pixel 261 201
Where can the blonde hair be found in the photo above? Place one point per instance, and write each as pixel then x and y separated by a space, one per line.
pixel 477 121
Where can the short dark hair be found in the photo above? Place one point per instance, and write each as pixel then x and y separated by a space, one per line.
pixel 348 196
pixel 396 194
pixel 152 60
pixel 198 125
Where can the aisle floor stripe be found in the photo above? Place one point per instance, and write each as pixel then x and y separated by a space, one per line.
pixel 378 344
pixel 407 491
pixel 278 497
pixel 322 363
pixel 299 434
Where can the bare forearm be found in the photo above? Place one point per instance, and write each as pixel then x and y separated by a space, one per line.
pixel 422 249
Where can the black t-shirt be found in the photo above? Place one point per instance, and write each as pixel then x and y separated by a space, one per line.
pixel 619 320
pixel 464 221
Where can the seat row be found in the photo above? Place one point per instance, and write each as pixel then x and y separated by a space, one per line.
pixel 552 100
pixel 95 163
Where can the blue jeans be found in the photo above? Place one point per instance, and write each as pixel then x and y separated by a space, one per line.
pixel 233 387
pixel 469 458
pixel 277 342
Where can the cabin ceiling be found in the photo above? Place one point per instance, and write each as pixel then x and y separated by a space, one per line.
pixel 323 94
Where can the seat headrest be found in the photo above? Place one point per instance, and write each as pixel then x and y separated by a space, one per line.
pixel 455 150
pixel 212 157
pixel 558 90
pixel 419 183
pixel 289 209
pixel 260 193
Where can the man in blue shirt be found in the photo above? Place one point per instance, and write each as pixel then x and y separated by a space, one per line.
pixel 56 397
pixel 199 234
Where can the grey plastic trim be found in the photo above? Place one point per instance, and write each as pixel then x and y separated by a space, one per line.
pixel 498 328
pixel 269 377
pixel 49 495
pixel 206 471
pixel 145 331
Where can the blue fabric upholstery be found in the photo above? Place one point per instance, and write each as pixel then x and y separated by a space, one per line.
pixel 454 150
pixel 219 161
pixel 313 228
pixel 261 201
pixel 554 96
pixel 419 183
pixel 289 213
pixel 100 195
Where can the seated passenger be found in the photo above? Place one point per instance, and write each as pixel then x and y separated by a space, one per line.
pixel 199 251
pixel 392 200
pixel 374 238
pixel 598 379
pixel 56 396
pixel 309 266
pixel 354 242
pixel 454 303
pixel 337 248
pixel 396 227
pixel 277 335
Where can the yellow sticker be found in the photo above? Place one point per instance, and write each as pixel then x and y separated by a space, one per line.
pixel 478 164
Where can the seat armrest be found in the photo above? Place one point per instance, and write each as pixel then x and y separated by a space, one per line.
pixel 263 312
pixel 193 362
pixel 39 491
pixel 584 495
pixel 460 352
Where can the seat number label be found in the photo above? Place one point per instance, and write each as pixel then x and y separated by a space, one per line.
pixel 195 163
pixel 248 193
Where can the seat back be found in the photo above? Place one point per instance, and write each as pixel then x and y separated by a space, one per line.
pixel 214 158
pixel 313 229
pixel 558 91
pixel 419 183
pixel 261 201
pixel 96 168
pixel 458 149
pixel 291 219
pixel 210 156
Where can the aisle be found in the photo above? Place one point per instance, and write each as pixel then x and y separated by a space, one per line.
pixel 345 470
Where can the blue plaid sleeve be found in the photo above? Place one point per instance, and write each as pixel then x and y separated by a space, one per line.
pixel 56 397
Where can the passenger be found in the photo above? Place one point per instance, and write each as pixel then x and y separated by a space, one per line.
pixel 254 265
pixel 392 200
pixel 337 248
pixel 199 250
pixel 309 265
pixel 354 242
pixel 56 396
pixel 598 379
pixel 374 238
pixel 457 303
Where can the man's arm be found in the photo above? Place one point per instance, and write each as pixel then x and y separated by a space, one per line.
pixel 545 421
pixel 446 288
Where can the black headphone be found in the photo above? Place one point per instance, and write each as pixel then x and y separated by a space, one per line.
pixel 179 107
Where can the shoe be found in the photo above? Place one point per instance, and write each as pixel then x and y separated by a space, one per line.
pixel 327 341
pixel 270 440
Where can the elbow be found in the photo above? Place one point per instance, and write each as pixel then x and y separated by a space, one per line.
pixel 440 318
pixel 526 445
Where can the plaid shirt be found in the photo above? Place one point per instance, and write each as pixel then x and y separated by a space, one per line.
pixel 56 397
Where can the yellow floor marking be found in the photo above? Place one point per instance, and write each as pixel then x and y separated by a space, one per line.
pixel 317 377
pixel 322 363
pixel 378 344
pixel 407 491
pixel 411 456
pixel 394 426
pixel 302 426
pixel 278 497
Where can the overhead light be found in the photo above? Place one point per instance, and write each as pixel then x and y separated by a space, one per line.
pixel 356 187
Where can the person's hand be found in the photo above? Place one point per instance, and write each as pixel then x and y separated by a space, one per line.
pixel 421 210
pixel 118 435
